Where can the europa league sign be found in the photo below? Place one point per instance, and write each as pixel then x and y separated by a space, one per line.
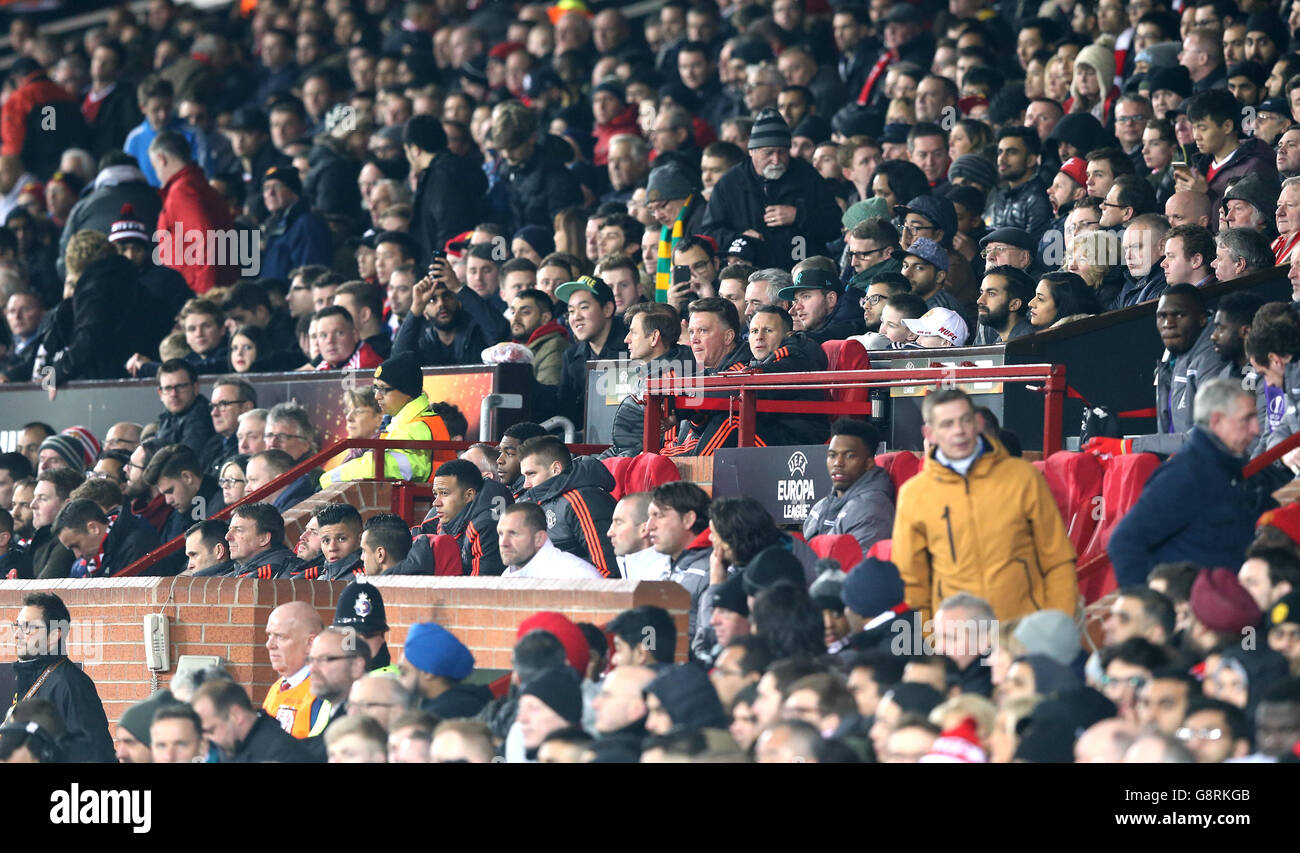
pixel 786 480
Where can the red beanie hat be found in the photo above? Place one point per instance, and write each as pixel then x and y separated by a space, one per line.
pixel 958 745
pixel 564 630
pixel 1284 518
pixel 1221 603
pixel 1077 169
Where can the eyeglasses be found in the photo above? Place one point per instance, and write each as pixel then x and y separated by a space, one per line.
pixel 1185 733
pixel 864 255
pixel 1134 681
pixel 26 628
pixel 380 390
pixel 1112 204
pixel 992 252
pixel 913 227
pixel 873 299
pixel 168 390
pixel 224 403
pixel 227 482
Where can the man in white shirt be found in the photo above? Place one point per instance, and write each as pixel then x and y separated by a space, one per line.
pixel 637 557
pixel 527 551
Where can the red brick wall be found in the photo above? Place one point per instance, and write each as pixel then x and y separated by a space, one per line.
pixel 227 617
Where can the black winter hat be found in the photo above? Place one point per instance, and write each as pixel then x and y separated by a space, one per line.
pixel 402 372
pixel 771 566
pixel 1175 78
pixel 559 690
pixel 873 587
pixel 730 595
pixel 770 131
pixel 688 697
pixel 361 607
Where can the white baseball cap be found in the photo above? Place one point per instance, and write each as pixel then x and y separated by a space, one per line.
pixel 940 322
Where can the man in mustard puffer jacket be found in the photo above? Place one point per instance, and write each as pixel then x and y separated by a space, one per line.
pixel 978 520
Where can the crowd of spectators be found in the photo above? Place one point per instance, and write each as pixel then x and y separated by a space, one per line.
pixel 382 187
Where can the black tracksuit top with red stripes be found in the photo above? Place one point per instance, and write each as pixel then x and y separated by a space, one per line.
pixel 579 509
pixel 475 529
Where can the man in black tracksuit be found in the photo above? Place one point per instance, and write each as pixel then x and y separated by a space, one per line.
pixel 104 544
pixel 43 671
pixel 467 508
pixel 575 495
pixel 256 538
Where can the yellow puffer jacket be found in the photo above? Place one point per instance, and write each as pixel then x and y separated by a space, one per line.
pixel 413 465
pixel 995 533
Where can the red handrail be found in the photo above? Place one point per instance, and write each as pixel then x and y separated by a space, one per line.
pixel 311 462
pixel 681 391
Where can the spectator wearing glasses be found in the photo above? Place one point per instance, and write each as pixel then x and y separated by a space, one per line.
pixel 188 418
pixel 399 389
pixel 43 671
pixel 231 397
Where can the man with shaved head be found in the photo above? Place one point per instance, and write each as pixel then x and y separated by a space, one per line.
pixel 381 695
pixel 1105 742
pixel 289 634
pixel 124 436
pixel 1188 208
pixel 620 707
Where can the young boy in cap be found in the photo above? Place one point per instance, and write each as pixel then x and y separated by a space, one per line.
pixel 399 388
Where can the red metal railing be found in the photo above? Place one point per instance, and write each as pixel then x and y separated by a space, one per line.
pixel 404 493
pixel 679 391
pixel 1268 457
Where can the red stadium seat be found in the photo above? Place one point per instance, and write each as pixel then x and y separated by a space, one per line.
pixel 1121 487
pixel 1076 483
pixel 837 546
pixel 617 466
pixel 847 355
pixel 446 554
pixel 642 473
pixel 882 550
pixel 901 465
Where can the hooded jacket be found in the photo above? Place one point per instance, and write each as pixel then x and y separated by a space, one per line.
pixel 995 533
pixel 1195 507
pixel 275 562
pixel 98 209
pixel 266 741
pixel 741 195
pixel 191 204
pixel 688 697
pixel 1177 379
pixel 330 188
pixel 449 200
pixel 74 696
pixel 425 559
pixel 865 511
pixel 624 122
pixel 541 186
pixel 475 529
pixel 295 237
pixel 111 317
pixel 579 510
pixel 548 344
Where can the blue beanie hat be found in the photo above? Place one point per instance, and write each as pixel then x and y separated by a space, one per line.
pixel 433 649
pixel 873 587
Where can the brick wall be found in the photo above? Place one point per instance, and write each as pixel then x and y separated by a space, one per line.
pixel 227 617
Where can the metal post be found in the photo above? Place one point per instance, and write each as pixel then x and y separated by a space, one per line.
pixel 1053 410
pixel 651 430
pixel 495 401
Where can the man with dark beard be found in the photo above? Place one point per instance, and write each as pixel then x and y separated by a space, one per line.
pixel 438 330
pixel 1003 303
pixel 532 323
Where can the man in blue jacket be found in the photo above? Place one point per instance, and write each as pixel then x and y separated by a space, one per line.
pixel 295 236
pixel 1196 507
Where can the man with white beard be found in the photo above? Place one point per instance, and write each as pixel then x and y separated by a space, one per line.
pixel 764 198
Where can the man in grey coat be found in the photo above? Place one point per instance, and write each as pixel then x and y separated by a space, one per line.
pixel 861 503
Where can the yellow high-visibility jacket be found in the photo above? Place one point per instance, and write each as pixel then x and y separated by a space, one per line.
pixel 414 421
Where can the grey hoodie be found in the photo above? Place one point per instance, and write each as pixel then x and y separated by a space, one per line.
pixel 865 511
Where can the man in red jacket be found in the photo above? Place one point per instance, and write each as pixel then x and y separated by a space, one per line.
pixel 32 89
pixel 197 236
